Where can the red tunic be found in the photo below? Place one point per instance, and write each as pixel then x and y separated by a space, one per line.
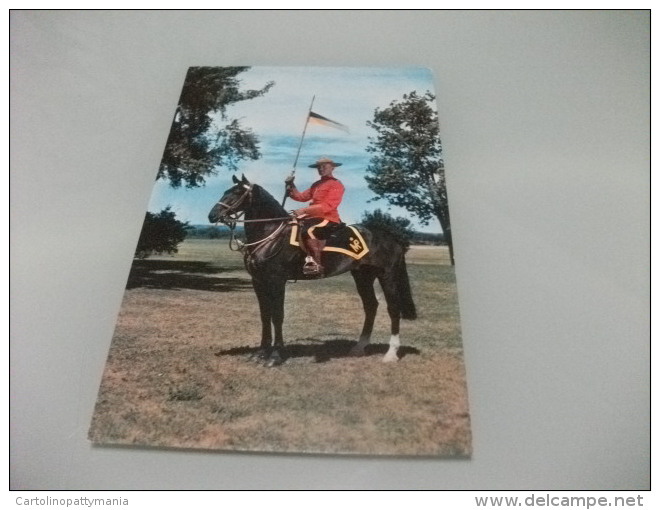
pixel 325 194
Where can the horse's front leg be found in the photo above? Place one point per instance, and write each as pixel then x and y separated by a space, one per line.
pixel 265 311
pixel 276 293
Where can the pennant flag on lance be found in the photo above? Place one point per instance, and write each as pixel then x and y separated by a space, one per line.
pixel 315 118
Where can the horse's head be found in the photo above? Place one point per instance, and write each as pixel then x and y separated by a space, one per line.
pixel 232 202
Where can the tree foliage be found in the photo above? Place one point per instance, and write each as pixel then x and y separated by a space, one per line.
pixel 203 137
pixel 161 233
pixel 397 227
pixel 407 168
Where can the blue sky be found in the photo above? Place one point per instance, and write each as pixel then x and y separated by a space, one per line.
pixel 346 95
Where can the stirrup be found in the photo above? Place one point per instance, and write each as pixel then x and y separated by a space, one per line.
pixel 312 268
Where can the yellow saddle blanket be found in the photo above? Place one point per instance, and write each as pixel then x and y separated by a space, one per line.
pixel 346 240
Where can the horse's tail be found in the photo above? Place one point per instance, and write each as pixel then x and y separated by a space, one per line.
pixel 408 310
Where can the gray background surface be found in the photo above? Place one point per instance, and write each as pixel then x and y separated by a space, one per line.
pixel 545 126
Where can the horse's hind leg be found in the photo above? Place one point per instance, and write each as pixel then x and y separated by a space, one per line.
pixel 364 280
pixel 388 283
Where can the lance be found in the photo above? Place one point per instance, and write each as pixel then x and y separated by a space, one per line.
pixel 295 162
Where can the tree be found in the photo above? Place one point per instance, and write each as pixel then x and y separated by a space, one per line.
pixel 161 233
pixel 202 137
pixel 397 227
pixel 407 168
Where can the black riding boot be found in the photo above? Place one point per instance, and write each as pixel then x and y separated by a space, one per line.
pixel 313 265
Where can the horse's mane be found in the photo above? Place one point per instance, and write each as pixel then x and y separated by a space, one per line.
pixel 266 200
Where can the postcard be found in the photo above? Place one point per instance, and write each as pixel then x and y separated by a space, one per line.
pixel 293 286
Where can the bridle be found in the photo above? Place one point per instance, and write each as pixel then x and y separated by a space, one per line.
pixel 232 216
pixel 230 209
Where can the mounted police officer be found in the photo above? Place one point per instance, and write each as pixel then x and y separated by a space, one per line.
pixel 320 217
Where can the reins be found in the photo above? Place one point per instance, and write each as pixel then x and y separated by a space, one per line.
pixel 240 245
pixel 232 219
pixel 263 220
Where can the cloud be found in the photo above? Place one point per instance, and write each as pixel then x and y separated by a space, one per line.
pixel 346 95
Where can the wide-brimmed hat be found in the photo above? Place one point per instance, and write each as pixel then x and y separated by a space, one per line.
pixel 323 161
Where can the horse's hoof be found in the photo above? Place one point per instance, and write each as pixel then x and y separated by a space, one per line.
pixel 390 357
pixel 356 352
pixel 273 362
pixel 258 357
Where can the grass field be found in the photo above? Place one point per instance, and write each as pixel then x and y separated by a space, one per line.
pixel 177 373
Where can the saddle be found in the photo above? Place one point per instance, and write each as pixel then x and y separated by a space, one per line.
pixel 344 239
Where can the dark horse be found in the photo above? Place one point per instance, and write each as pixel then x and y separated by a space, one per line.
pixel 271 261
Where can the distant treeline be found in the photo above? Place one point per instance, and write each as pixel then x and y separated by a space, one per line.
pixel 210 232
pixel 222 232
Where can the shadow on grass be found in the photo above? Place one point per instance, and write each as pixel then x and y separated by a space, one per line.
pixel 321 351
pixel 177 275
